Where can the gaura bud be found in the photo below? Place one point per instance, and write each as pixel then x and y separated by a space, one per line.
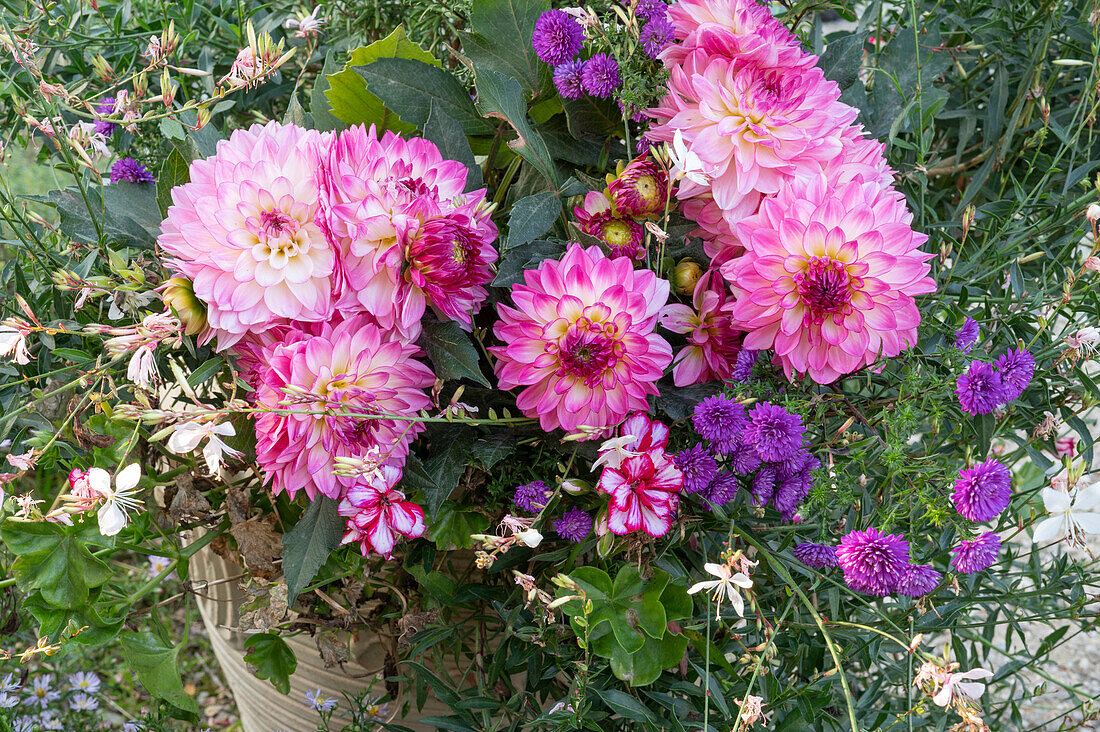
pixel 686 273
pixel 1092 213
pixel 179 294
pixel 575 487
pixel 968 220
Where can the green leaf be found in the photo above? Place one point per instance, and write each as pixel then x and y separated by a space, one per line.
pixel 644 666
pixel 448 136
pixel 307 546
pixel 451 452
pixel 452 526
pixel 492 449
pixel 532 217
pixel 157 667
pixel 411 88
pixel 347 95
pixel 451 352
pixel 500 96
pixel 127 213
pixel 501 40
pixel 625 705
pixel 515 261
pixel 52 621
pixel 271 658
pixel 206 371
pixel 297 115
pixel 323 118
pixel 55 560
pixel 595 582
pixel 174 172
pixel 593 117
pixel 843 59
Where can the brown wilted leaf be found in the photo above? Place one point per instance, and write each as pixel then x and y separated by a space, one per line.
pixel 188 504
pixel 333 651
pixel 268 606
pixel 236 504
pixel 410 624
pixel 260 545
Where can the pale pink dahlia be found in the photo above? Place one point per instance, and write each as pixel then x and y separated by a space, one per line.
pixel 337 394
pixel 713 343
pixel 742 29
pixel 376 197
pixel 752 127
pixel 378 514
pixel 243 230
pixel 580 339
pixel 828 277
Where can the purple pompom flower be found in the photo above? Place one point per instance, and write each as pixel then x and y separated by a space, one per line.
pixel 776 432
pixel 918 580
pixel 974 556
pixel 131 171
pixel 742 366
pixel 1016 369
pixel 657 34
pixel 722 489
pixel 763 485
pixel 600 75
pixel 818 556
pixel 980 389
pixel 983 491
pixel 719 419
pixel 558 37
pixel 743 458
pixel 575 525
pixel 873 562
pixel 532 497
pixel 650 9
pixel 567 78
pixel 967 335
pixel 698 466
pixel 106 107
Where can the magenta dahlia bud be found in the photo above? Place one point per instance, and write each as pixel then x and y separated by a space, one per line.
pixel 598 218
pixel 640 189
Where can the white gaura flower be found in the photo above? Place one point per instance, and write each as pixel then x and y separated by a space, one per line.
pixel 188 435
pixel 117 502
pixel 687 163
pixel 727 583
pixel 13 342
pixel 1071 514
pixel 957 685
pixel 306 25
pixel 613 452
pixel 142 368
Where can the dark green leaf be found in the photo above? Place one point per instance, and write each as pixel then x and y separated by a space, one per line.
pixel 55 560
pixel 625 705
pixel 500 96
pixel 452 526
pixel 206 371
pixel 451 352
pixel 307 546
pixel 174 172
pixel 323 118
pixel 451 452
pixel 843 59
pixel 411 88
pixel 501 40
pixel 512 265
pixel 492 449
pixel 157 668
pixel 448 136
pixel 532 217
pixel 271 658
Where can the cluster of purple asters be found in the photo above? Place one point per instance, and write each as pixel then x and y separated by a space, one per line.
pixel 764 444
pixel 983 491
pixel 657 31
pixel 574 525
pixel 558 40
pixel 876 563
pixel 984 387
pixel 130 171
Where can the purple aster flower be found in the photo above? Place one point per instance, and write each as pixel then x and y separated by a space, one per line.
pixel 873 562
pixel 657 34
pixel 980 389
pixel 575 525
pixel 974 556
pixel 131 171
pixel 106 107
pixel 983 491
pixel 967 335
pixel 600 76
pixel 918 580
pixel 742 456
pixel 1016 369
pixel 776 432
pixel 722 489
pixel 763 485
pixel 742 366
pixel 789 492
pixel 698 466
pixel 819 556
pixel 532 497
pixel 567 78
pixel 558 37
pixel 719 419
pixel 650 9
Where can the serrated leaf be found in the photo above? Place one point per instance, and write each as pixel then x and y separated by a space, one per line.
pixel 272 659
pixel 500 96
pixel 501 40
pixel 348 97
pixel 448 136
pixel 451 352
pixel 843 59
pixel 411 88
pixel 307 546
pixel 516 261
pixel 492 449
pixel 531 217
pixel 157 668
pixel 174 172
pixel 447 464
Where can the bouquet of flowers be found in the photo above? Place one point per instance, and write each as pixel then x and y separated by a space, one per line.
pixel 657 371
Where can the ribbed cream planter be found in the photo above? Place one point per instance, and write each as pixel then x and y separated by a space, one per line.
pixel 262 708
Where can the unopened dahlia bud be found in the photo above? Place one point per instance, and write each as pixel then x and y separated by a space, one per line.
pixel 179 294
pixel 685 276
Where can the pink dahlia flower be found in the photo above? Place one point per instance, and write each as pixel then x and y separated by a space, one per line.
pixel 741 29
pixel 599 218
pixel 828 277
pixel 243 230
pixel 370 187
pixel 713 343
pixel 640 188
pixel 751 127
pixel 347 387
pixel 717 226
pixel 378 514
pixel 580 339
pixel 644 491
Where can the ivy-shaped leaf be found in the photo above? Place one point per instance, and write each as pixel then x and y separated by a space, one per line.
pixel 451 352
pixel 56 561
pixel 272 659
pixel 157 668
